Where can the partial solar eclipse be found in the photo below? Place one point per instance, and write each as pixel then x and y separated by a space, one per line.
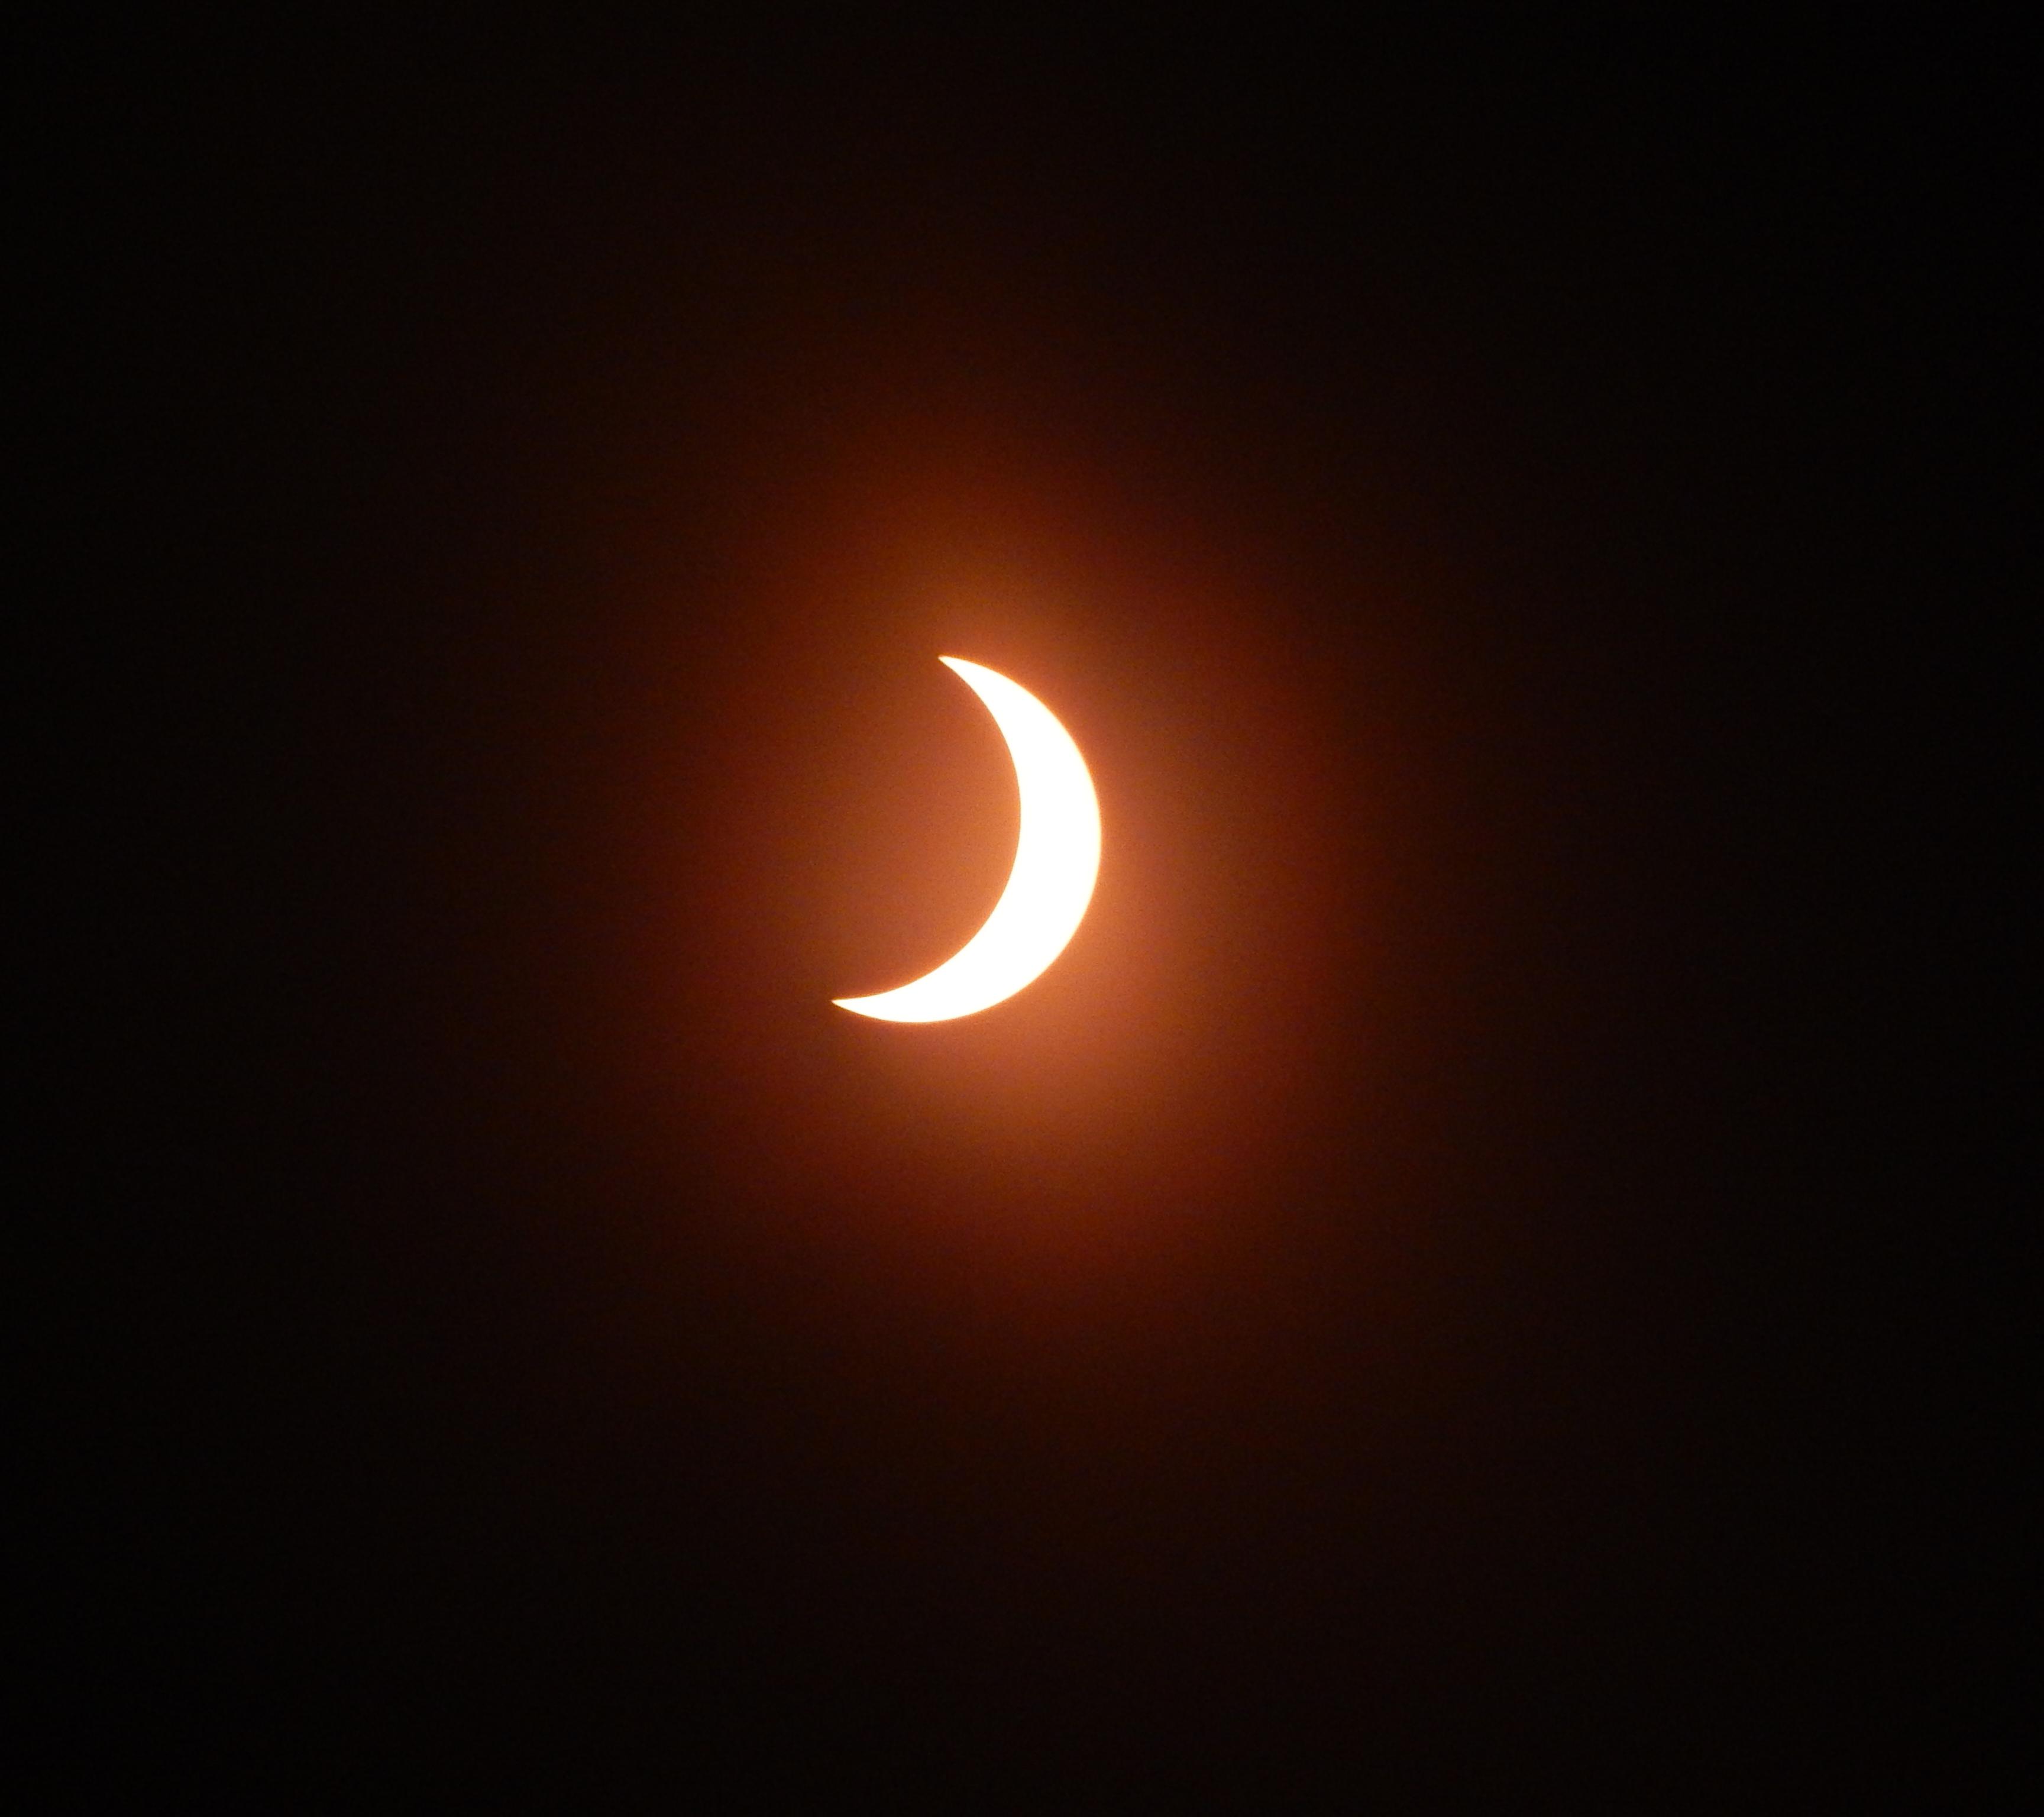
pixel 1057 858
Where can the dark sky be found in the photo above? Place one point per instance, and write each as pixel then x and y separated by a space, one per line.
pixel 1423 1304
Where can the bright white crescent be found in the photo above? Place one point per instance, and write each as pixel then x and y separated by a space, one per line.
pixel 1057 858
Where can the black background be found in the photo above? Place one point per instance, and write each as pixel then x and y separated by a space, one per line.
pixel 1429 1301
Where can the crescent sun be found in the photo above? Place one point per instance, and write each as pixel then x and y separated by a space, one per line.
pixel 1057 858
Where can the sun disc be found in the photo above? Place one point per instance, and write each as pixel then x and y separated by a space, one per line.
pixel 1057 860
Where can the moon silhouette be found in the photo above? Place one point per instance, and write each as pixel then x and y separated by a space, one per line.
pixel 1057 858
